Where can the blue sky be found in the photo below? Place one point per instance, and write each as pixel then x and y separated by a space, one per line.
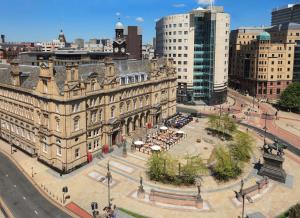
pixel 37 20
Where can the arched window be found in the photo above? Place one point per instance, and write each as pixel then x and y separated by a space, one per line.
pixel 128 105
pixel 57 124
pixel 112 111
pixel 76 123
pixel 121 107
pixel 100 114
pixel 141 102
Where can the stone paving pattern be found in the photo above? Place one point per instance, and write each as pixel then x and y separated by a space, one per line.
pixel 83 190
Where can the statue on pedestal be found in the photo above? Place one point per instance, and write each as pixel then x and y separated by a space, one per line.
pixel 141 191
pixel 199 200
pixel 273 161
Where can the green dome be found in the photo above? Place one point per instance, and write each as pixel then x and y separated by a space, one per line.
pixel 264 36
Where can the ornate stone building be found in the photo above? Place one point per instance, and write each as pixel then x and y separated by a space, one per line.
pixel 262 60
pixel 65 114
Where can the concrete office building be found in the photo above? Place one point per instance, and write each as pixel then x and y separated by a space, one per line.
pixel 261 62
pixel 64 115
pixel 286 14
pixel 198 42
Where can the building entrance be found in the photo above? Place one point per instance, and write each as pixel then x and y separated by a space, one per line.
pixel 114 138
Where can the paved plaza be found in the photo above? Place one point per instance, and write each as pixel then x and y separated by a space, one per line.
pixel 89 183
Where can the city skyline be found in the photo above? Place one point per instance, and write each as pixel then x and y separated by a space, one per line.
pixel 92 20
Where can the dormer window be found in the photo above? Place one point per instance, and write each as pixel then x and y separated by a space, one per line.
pixel 93 86
pixel 45 86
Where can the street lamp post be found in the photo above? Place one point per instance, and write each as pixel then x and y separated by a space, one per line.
pixel 244 195
pixel 10 140
pixel 109 178
pixel 124 146
pixel 265 127
pixel 64 190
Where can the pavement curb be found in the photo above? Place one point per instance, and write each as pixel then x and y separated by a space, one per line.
pixel 6 210
pixel 37 187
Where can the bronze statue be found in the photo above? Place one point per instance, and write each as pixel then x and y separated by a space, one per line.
pixel 276 146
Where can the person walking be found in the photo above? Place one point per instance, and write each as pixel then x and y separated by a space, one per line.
pixel 114 212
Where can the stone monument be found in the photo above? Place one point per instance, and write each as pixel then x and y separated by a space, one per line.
pixel 199 200
pixel 141 191
pixel 273 160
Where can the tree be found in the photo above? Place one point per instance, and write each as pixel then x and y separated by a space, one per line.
pixel 222 125
pixel 290 98
pixel 156 166
pixel 226 167
pixel 164 168
pixel 294 212
pixel 242 147
pixel 213 122
pixel 193 168
pixel 229 124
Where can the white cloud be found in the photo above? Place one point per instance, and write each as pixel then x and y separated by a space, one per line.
pixel 118 14
pixel 179 5
pixel 139 19
pixel 205 2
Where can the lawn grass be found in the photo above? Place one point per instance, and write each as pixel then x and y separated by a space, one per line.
pixel 135 215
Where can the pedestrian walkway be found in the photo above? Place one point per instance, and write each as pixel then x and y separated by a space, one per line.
pixel 78 210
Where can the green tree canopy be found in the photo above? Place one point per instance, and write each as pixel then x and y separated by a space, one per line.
pixel 223 124
pixel 226 167
pixel 290 98
pixel 242 146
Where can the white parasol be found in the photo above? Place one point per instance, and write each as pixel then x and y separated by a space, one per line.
pixel 163 128
pixel 138 143
pixel 155 148
pixel 180 132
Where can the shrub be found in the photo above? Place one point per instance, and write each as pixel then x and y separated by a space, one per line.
pixel 164 168
pixel 226 167
pixel 294 212
pixel 242 147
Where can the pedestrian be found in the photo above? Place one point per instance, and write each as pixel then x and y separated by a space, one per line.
pixel 114 212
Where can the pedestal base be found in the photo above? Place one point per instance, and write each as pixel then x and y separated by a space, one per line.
pixel 199 203
pixel 272 168
pixel 141 193
pixel 274 173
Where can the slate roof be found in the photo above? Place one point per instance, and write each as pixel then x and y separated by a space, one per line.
pixel 31 73
pixel 286 26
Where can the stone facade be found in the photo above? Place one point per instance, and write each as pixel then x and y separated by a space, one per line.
pixel 62 115
pixel 261 62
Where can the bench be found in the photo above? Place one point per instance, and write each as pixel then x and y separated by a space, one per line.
pixel 253 190
pixel 176 199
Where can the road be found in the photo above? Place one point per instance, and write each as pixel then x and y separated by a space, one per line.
pixel 21 196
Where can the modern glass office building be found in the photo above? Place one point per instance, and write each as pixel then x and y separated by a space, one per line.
pixel 198 42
